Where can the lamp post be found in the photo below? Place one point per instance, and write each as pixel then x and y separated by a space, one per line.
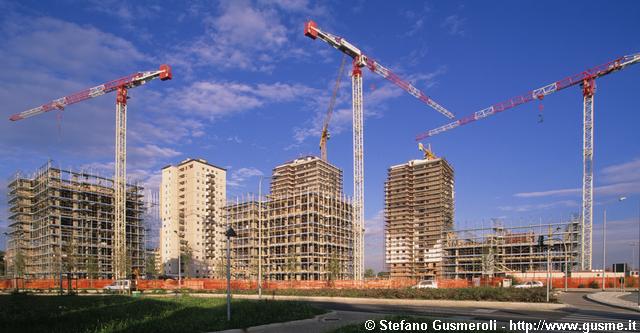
pixel 604 244
pixel 229 233
pixel 179 260
pixel 604 249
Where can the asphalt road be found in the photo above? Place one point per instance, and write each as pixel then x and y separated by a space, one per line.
pixel 579 310
pixel 633 297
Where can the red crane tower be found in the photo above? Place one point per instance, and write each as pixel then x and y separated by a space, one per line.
pixel 587 80
pixel 121 86
pixel 360 60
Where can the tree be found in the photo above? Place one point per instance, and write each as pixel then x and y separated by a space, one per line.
pixel 334 267
pixel 150 266
pixel 369 273
pixel 19 262
pixel 186 258
pixel 69 255
pixel 2 264
pixel 220 268
pixel 291 265
pixel 92 268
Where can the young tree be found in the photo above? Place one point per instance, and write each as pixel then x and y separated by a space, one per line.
pixel 187 259
pixel 334 268
pixel 19 263
pixel 369 273
pixel 221 268
pixel 2 264
pixel 150 266
pixel 92 268
pixel 291 265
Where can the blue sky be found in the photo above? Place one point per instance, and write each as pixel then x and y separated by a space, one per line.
pixel 250 91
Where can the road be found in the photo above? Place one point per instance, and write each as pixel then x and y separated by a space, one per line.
pixel 633 297
pixel 578 309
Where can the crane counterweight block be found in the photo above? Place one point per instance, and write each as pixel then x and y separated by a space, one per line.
pixel 166 72
pixel 310 29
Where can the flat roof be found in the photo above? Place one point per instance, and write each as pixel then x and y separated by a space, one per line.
pixel 199 160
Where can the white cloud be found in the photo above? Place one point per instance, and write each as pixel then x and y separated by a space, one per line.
pixel 240 176
pixel 154 151
pixel 567 191
pixel 241 36
pixel 211 99
pixel 542 206
pixel 454 24
pixel 55 46
pixel 374 241
pixel 619 179
pixel 629 171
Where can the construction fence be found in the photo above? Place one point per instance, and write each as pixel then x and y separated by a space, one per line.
pixel 219 284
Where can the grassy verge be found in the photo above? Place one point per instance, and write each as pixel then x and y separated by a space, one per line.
pixel 535 295
pixel 104 314
pixel 428 324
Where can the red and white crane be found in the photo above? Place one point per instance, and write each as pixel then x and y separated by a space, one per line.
pixel 587 80
pixel 121 86
pixel 360 60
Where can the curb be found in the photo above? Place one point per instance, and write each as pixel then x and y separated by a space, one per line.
pixel 619 306
pixel 275 325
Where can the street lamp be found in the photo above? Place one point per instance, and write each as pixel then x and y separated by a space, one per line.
pixel 604 244
pixel 179 263
pixel 229 233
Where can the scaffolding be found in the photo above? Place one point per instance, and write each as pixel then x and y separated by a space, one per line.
pixel 419 209
pixel 499 251
pixel 62 222
pixel 303 230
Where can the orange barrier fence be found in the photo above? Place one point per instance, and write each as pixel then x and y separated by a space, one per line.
pixel 218 284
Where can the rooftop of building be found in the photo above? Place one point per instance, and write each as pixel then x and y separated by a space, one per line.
pixel 198 160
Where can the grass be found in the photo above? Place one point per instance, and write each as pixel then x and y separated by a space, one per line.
pixel 360 327
pixel 535 295
pixel 106 314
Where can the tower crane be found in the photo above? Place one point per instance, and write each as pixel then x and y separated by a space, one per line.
pixel 587 79
pixel 121 87
pixel 360 60
pixel 324 136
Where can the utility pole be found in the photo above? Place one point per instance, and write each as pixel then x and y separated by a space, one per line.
pixel 604 248
pixel 229 233
pixel 548 264
pixel 179 260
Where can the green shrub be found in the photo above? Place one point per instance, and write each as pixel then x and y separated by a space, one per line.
pixel 594 284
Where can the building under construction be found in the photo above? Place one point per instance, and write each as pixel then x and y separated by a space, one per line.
pixel 62 222
pixel 303 231
pixel 518 251
pixel 418 211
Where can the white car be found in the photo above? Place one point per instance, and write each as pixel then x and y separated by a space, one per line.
pixel 530 284
pixel 119 285
pixel 426 284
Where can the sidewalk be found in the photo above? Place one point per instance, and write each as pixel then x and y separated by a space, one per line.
pixel 410 302
pixel 612 298
pixel 319 324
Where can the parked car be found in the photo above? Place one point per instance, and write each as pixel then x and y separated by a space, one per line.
pixel 120 285
pixel 426 284
pixel 530 284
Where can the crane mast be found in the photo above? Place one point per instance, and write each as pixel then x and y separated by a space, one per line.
pixel 587 79
pixel 121 86
pixel 360 60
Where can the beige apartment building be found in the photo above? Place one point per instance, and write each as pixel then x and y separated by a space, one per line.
pixel 192 199
pixel 419 209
